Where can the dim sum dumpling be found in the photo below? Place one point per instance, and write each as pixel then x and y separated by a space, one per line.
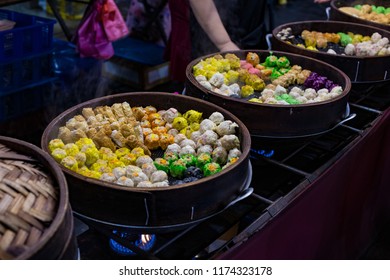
pixel 226 127
pixel 158 176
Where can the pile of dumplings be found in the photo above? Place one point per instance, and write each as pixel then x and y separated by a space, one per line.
pixel 116 143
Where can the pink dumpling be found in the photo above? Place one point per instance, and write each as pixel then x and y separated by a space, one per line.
pixel 247 66
pixel 254 71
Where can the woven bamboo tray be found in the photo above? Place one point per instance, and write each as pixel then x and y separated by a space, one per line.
pixel 35 216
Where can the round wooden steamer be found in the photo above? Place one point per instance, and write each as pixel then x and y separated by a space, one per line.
pixel 280 121
pixel 336 14
pixel 152 208
pixel 359 69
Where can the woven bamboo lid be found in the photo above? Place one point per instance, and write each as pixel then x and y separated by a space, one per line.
pixel 29 202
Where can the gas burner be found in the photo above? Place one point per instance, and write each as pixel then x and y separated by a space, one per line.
pixel 264 153
pixel 144 242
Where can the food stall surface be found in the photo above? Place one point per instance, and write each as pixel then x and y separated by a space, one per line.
pixel 321 197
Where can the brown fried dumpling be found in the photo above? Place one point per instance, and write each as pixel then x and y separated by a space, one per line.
pixel 117 109
pixel 87 112
pixel 103 140
pixel 65 135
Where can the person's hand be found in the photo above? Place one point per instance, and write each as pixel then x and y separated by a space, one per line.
pixel 229 46
pixel 321 1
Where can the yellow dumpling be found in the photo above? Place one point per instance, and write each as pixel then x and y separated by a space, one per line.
pixel 115 163
pixel 138 152
pixel 84 141
pixel 71 149
pixel 192 116
pixel 70 163
pixel 122 151
pixel 91 153
pixel 56 143
pixel 179 123
pixel 106 153
pixel 80 158
pixel 58 154
pixel 128 159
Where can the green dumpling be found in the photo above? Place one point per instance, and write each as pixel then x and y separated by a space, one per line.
pixel 211 168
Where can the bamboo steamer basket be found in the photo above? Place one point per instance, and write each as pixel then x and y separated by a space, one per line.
pixel 36 220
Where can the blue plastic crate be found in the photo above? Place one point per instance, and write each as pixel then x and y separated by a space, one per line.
pixel 19 103
pixel 27 71
pixel 31 35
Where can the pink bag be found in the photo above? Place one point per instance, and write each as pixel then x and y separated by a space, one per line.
pixel 91 38
pixel 101 25
pixel 113 22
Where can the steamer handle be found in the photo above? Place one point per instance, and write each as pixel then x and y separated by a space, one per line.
pixel 268 39
pixel 350 117
pixel 242 196
pixel 327 11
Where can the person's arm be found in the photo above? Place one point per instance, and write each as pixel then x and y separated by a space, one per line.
pixel 207 15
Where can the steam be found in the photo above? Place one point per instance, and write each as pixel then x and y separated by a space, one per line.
pixel 79 80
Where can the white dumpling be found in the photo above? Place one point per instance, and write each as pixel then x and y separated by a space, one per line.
pixel 383 42
pixel 206 85
pixel 226 90
pixel 229 142
pixel 130 169
pixel 375 37
pixel 195 136
pixel 173 148
pixel 235 88
pixel 148 169
pixel 200 78
pixel 279 90
pixel 294 94
pixel 282 102
pixel 337 89
pixel 204 149
pixel 187 142
pixel 270 100
pixel 173 132
pixel 206 124
pixel 187 150
pixel 219 155
pixel 180 137
pixel 302 99
pixel 160 184
pixel 234 153
pixel 124 181
pixel 145 184
pixel 310 93
pixel 216 118
pixel 209 137
pixel 169 115
pixel 322 91
pixel 349 49
pixel 298 90
pixel 217 80
pixel 226 127
pixel 138 177
pixel 158 176
pixel 108 177
pixel 142 160
pixel 119 172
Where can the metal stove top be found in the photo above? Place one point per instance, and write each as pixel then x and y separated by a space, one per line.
pixel 285 168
